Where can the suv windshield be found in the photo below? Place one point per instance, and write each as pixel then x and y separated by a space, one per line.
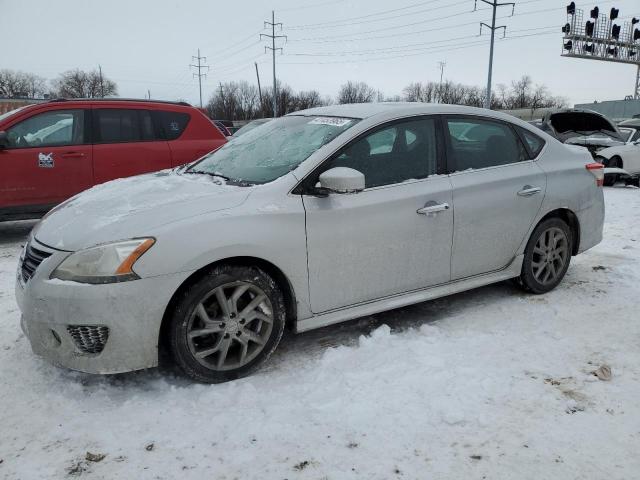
pixel 273 149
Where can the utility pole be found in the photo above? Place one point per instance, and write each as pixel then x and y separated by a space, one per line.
pixel 149 93
pixel 637 94
pixel 101 82
pixel 259 87
pixel 273 49
pixel 441 65
pixel 494 4
pixel 200 66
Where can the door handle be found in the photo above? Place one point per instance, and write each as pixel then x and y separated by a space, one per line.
pixel 73 155
pixel 432 207
pixel 528 190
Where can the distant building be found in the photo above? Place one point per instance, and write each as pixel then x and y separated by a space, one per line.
pixel 616 110
pixel 8 104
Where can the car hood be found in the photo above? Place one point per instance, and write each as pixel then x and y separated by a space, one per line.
pixel 133 207
pixel 580 127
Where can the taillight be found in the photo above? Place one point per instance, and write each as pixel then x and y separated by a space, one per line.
pixel 597 170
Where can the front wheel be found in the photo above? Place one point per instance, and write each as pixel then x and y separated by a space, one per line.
pixel 610 179
pixel 547 256
pixel 227 324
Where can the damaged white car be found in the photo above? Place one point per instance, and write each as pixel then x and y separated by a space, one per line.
pixel 312 219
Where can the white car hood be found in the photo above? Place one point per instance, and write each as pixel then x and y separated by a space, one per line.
pixel 133 207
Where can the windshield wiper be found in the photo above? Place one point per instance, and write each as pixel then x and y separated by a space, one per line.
pixel 217 175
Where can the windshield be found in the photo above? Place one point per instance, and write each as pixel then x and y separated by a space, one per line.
pixel 9 113
pixel 274 149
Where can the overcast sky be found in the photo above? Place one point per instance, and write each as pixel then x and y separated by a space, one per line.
pixel 148 44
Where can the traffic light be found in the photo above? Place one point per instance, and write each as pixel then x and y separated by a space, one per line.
pixel 568 46
pixel 595 12
pixel 589 28
pixel 571 8
pixel 614 13
pixel 566 29
pixel 615 32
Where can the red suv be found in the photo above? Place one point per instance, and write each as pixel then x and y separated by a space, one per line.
pixel 53 150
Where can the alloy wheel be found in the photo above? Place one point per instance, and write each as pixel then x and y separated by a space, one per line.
pixel 230 326
pixel 550 255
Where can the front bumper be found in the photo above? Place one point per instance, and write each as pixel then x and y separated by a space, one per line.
pixel 132 312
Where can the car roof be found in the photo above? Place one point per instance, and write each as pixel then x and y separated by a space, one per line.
pixel 399 109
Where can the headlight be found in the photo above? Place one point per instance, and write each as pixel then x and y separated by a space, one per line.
pixel 108 263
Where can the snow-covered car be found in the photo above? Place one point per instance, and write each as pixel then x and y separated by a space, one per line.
pixel 582 127
pixel 622 161
pixel 314 218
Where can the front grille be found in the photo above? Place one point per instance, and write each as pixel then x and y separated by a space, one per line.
pixel 88 338
pixel 33 257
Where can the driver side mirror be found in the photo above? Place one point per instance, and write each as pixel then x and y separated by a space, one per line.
pixel 341 180
pixel 4 140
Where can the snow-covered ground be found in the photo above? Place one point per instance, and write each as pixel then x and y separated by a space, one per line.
pixel 491 383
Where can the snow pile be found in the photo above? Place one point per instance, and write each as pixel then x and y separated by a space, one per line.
pixel 490 383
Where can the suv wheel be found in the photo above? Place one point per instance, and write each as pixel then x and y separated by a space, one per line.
pixel 547 256
pixel 227 324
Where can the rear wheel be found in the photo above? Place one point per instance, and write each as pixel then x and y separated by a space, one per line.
pixel 227 324
pixel 547 256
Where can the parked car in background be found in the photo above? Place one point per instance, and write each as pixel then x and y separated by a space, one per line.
pixel 53 150
pixel 620 162
pixel 225 126
pixel 315 218
pixel 251 125
pixel 582 127
pixel 634 125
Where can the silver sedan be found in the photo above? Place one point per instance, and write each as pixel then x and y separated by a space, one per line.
pixel 312 219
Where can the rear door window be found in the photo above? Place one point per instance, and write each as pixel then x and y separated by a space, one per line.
pixel 172 124
pixel 482 143
pixel 48 129
pixel 122 125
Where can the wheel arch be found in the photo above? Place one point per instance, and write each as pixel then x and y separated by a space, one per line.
pixel 276 273
pixel 570 219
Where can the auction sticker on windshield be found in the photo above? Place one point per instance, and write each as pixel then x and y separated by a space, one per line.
pixel 335 121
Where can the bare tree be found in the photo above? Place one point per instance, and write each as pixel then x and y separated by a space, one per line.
pixel 80 84
pixel 20 84
pixel 309 99
pixel 356 92
pixel 419 92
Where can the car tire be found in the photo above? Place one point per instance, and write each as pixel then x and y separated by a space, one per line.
pixel 612 178
pixel 227 324
pixel 546 257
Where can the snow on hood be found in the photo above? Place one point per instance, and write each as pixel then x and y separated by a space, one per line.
pixel 132 207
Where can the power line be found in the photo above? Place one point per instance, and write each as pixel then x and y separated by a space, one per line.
pixel 200 66
pixel 314 5
pixel 406 47
pixel 383 19
pixel 384 12
pixel 422 52
pixel 273 49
